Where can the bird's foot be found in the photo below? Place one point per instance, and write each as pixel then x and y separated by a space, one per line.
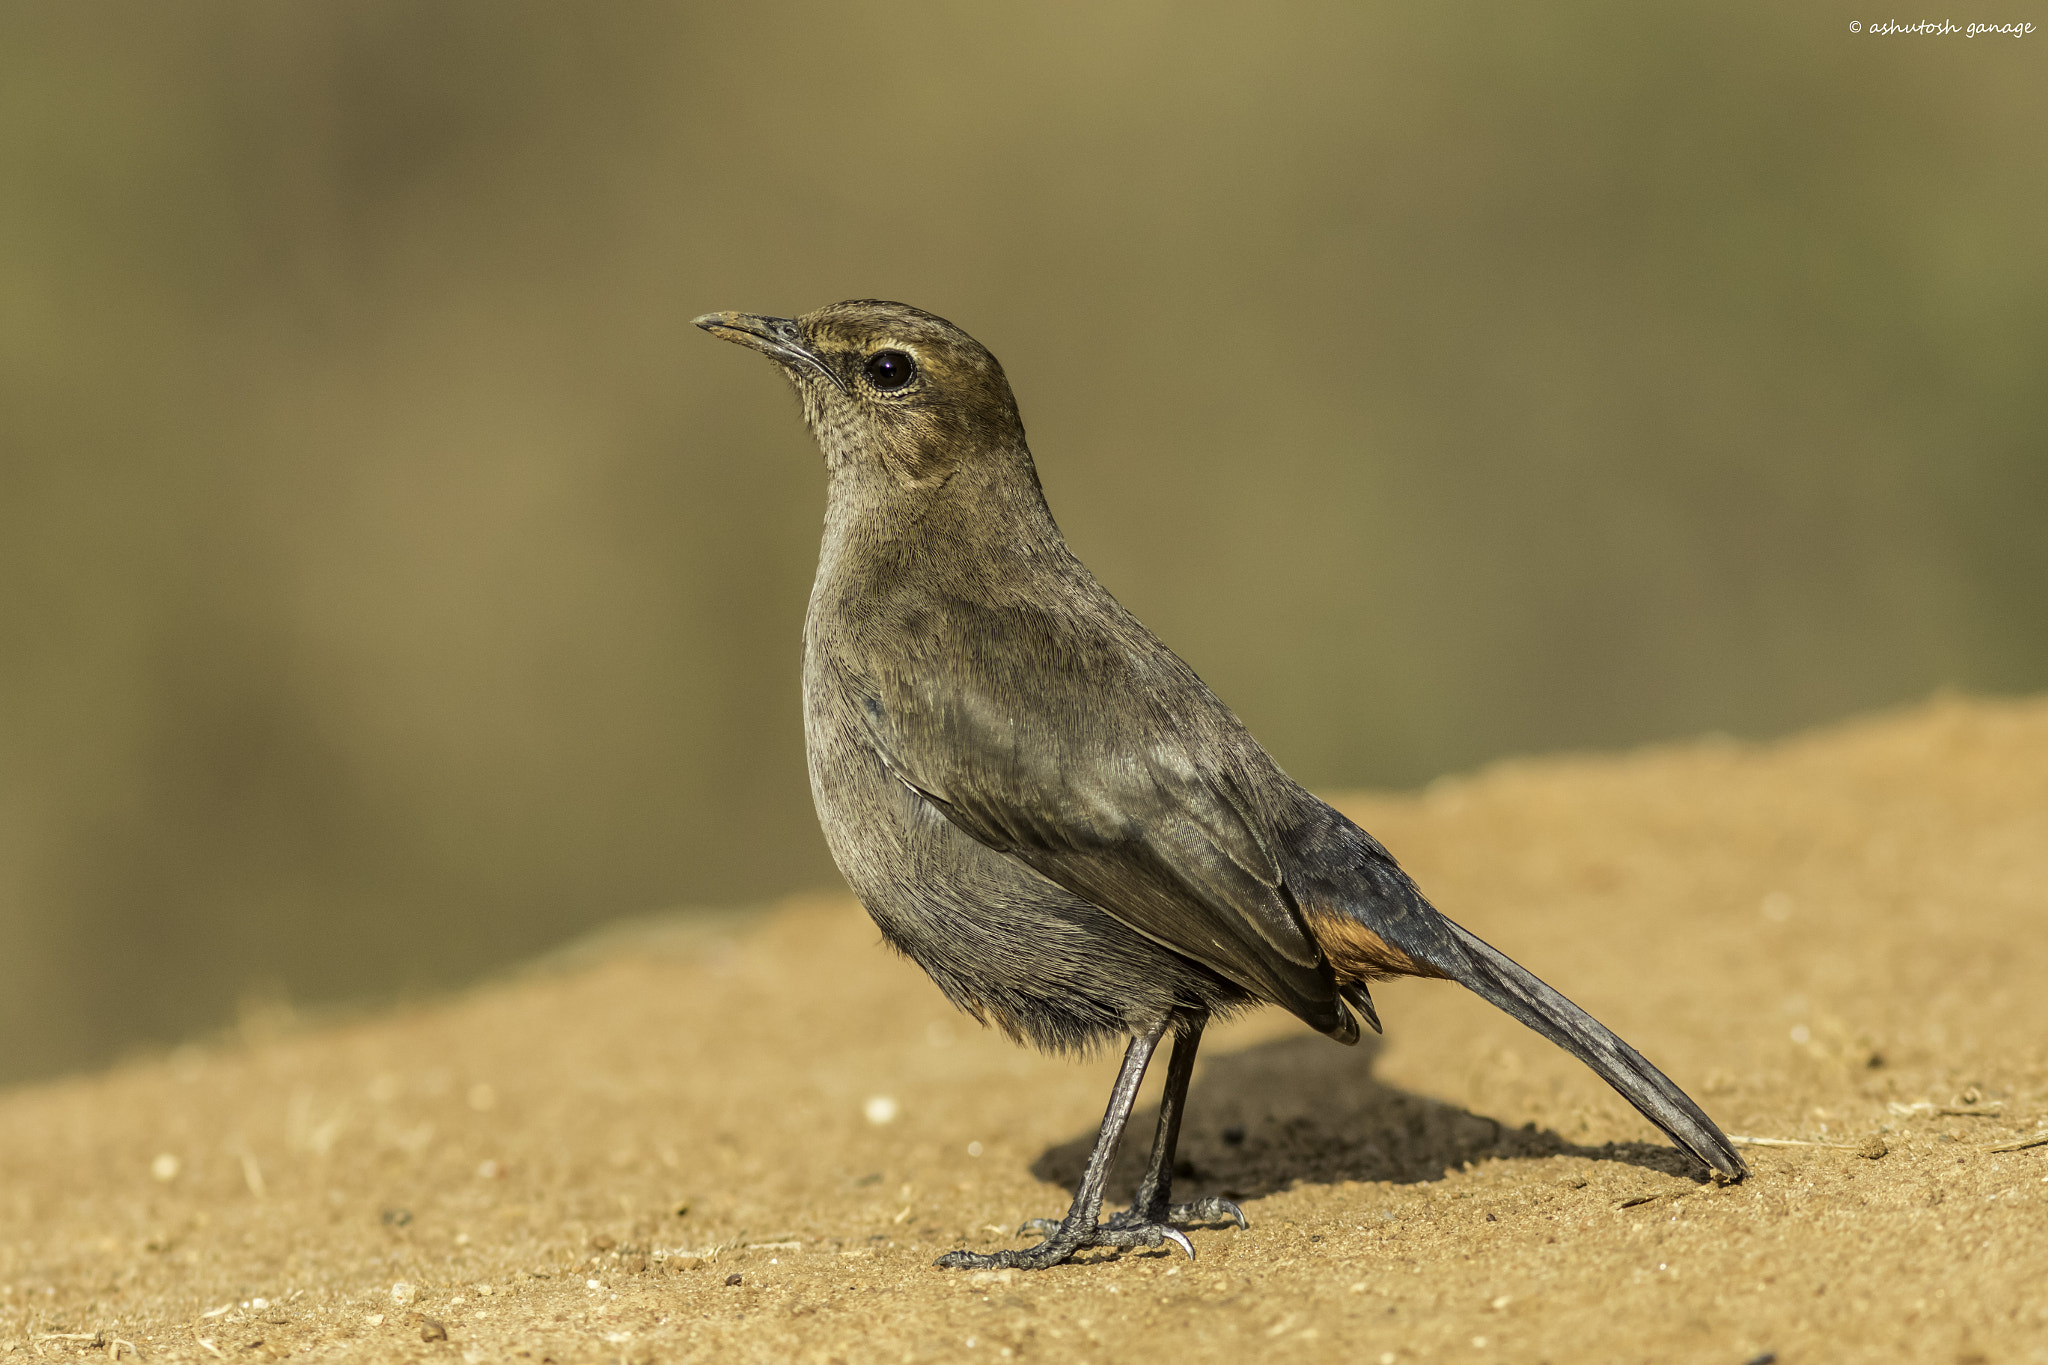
pixel 1200 1211
pixel 1214 1209
pixel 1064 1242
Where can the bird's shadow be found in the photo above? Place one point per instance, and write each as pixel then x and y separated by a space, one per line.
pixel 1299 1111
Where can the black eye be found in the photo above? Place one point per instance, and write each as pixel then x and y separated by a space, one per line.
pixel 890 369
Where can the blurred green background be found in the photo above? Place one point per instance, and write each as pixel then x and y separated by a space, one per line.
pixel 396 585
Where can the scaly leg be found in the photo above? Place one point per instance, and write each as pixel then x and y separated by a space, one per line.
pixel 1153 1206
pixel 1080 1228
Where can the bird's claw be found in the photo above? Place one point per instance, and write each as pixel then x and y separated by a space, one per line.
pixel 1167 1232
pixel 1032 1258
pixel 1061 1244
pixel 1212 1210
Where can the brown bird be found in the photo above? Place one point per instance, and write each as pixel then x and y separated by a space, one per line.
pixel 1041 805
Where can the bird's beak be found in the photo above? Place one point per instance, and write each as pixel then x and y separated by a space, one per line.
pixel 777 338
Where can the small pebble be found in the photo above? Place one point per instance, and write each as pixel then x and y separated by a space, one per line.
pixel 732 1279
pixel 433 1329
pixel 881 1109
pixel 1873 1149
pixel 165 1168
pixel 404 1293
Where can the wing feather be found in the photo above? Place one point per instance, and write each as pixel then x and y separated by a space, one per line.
pixel 1100 772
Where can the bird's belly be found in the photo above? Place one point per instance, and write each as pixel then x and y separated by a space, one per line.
pixel 1003 942
pixel 921 878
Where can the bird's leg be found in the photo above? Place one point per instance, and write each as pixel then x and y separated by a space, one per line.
pixel 1079 1228
pixel 1153 1202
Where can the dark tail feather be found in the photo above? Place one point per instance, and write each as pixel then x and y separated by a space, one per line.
pixel 1504 982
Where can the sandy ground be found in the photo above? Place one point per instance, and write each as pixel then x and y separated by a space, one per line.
pixel 663 1148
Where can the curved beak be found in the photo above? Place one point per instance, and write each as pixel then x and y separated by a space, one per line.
pixel 777 338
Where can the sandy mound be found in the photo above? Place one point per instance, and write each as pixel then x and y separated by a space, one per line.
pixel 665 1149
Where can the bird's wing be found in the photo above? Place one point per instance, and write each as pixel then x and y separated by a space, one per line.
pixel 1093 759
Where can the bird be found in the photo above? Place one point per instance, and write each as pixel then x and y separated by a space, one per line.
pixel 1041 805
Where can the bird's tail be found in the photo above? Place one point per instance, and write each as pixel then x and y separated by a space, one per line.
pixel 1498 978
pixel 1372 922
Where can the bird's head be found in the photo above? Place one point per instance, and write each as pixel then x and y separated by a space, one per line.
pixel 887 387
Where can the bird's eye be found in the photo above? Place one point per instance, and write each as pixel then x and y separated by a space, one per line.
pixel 890 369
